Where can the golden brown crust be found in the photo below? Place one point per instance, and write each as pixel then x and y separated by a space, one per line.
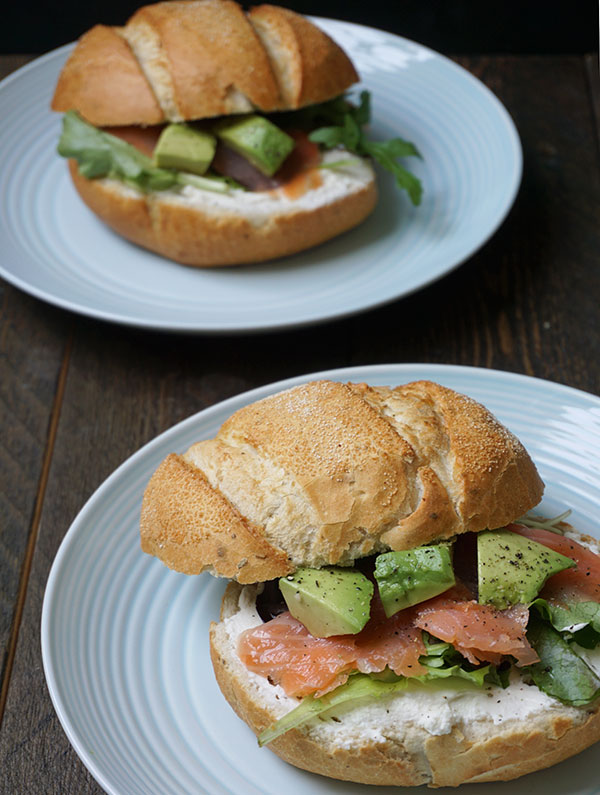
pixel 525 748
pixel 309 66
pixel 192 236
pixel 490 476
pixel 104 82
pixel 125 211
pixel 475 751
pixel 211 50
pixel 192 59
pixel 332 472
pixel 364 765
pixel 186 523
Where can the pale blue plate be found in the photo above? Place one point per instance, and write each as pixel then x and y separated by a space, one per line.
pixel 125 640
pixel 54 248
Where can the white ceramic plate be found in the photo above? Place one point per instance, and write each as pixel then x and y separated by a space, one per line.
pixel 54 248
pixel 125 640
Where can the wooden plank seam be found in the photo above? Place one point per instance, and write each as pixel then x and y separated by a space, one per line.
pixel 35 524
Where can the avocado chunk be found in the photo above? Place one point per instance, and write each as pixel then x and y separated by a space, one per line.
pixel 328 601
pixel 409 576
pixel 185 148
pixel 512 569
pixel 256 139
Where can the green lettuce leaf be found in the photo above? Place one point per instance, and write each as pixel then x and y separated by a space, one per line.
pixel 560 673
pixel 343 127
pixel 478 676
pixel 358 687
pixel 99 154
pixel 441 662
pixel 579 621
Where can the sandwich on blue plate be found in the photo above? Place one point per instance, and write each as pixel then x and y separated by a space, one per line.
pixel 391 617
pixel 217 137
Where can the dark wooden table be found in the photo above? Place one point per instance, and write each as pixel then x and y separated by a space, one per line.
pixel 77 396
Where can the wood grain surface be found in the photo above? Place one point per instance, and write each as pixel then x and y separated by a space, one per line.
pixel 78 396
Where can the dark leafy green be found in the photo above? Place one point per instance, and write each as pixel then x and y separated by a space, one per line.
pixel 99 154
pixel 443 661
pixel 579 621
pixel 342 126
pixel 561 673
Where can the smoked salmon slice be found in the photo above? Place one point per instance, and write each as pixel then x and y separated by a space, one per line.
pixel 300 173
pixel 481 633
pixel 394 642
pixel 286 653
pixel 583 581
pixel 283 650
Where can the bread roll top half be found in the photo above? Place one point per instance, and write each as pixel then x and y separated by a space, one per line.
pixel 326 473
pixel 194 59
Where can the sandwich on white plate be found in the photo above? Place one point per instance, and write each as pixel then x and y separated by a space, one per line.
pixel 394 615
pixel 215 136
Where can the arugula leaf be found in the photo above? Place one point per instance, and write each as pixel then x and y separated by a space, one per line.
pixel 331 112
pixel 329 137
pixel 384 154
pixel 362 114
pixel 344 128
pixel 99 154
pixel 579 621
pixel 351 134
pixel 561 673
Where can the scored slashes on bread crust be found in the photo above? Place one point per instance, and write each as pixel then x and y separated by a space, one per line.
pixel 194 59
pixel 326 473
pixel 474 752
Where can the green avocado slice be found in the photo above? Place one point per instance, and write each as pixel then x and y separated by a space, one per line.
pixel 184 148
pixel 407 577
pixel 329 601
pixel 257 139
pixel 512 569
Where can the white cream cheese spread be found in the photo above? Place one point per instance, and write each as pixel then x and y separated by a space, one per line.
pixel 435 707
pixel 259 206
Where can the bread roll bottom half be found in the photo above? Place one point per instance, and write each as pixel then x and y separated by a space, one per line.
pixel 202 228
pixel 442 735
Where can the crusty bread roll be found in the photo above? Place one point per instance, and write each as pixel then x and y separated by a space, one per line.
pixel 436 737
pixel 326 473
pixel 103 81
pixel 186 60
pixel 193 59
